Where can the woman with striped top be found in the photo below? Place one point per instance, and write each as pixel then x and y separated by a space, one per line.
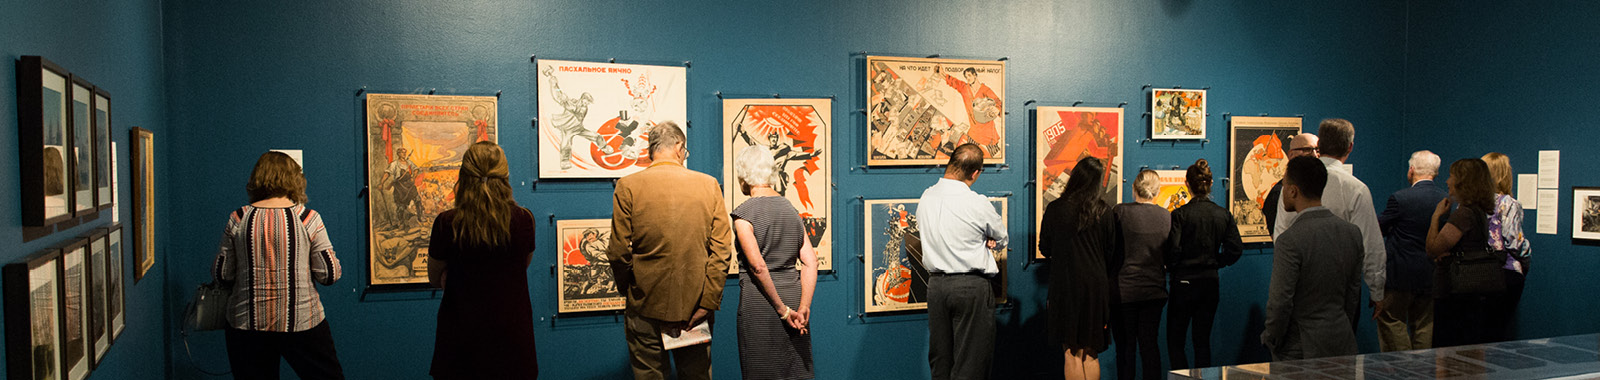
pixel 272 250
pixel 774 298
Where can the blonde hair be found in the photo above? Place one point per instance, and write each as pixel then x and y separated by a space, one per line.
pixel 483 197
pixel 753 166
pixel 276 175
pixel 1500 171
pixel 1147 184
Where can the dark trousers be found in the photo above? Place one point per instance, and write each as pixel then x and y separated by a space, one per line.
pixel 1461 320
pixel 255 354
pixel 1503 309
pixel 960 327
pixel 1135 326
pixel 1192 301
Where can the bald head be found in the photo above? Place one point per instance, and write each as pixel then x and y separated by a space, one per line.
pixel 1304 144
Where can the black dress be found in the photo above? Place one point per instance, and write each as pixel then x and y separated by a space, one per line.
pixel 485 320
pixel 1080 293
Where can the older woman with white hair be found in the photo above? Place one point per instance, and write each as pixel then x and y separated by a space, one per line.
pixel 1138 286
pixel 774 295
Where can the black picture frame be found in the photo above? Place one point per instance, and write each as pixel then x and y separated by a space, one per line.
pixel 32 289
pixel 77 359
pixel 105 188
pixel 99 340
pixel 42 96
pixel 116 281
pixel 80 132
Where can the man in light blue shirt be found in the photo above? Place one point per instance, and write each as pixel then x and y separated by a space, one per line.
pixel 959 227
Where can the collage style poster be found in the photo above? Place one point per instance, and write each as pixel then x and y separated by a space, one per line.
pixel 920 109
pixel 796 132
pixel 1066 135
pixel 585 280
pixel 594 117
pixel 1177 114
pixel 896 279
pixel 1174 192
pixel 1257 158
pixel 414 149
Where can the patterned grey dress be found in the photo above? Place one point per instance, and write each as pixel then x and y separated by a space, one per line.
pixel 768 348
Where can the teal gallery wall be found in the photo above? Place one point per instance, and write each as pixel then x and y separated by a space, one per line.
pixel 222 82
pixel 117 46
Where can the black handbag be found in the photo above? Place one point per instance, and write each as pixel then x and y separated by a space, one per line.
pixel 209 309
pixel 1476 272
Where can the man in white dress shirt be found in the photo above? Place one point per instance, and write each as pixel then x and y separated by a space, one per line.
pixel 1349 199
pixel 959 227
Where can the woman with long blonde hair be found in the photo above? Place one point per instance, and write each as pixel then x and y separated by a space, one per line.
pixel 479 253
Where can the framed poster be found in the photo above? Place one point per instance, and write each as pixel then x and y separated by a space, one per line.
pixel 1256 161
pixel 103 171
pixel 1066 135
pixel 99 340
pixel 920 109
pixel 33 316
pixel 797 132
pixel 585 281
pixel 1174 191
pixel 115 303
pixel 414 149
pixel 42 128
pixel 144 201
pixel 895 278
pixel 1585 213
pixel 81 156
pixel 595 118
pixel 1177 114
pixel 76 353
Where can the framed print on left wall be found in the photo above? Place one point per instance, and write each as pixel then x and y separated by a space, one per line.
pixel 33 317
pixel 143 166
pixel 42 129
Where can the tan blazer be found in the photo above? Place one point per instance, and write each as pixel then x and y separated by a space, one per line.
pixel 670 241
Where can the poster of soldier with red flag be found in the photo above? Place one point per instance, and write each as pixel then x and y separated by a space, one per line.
pixel 1066 135
pixel 797 133
pixel 414 149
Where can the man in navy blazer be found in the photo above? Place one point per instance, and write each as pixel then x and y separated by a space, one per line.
pixel 1405 322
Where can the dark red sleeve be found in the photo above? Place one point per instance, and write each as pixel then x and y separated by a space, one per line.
pixel 441 243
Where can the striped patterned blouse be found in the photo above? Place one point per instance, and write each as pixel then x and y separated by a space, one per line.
pixel 271 256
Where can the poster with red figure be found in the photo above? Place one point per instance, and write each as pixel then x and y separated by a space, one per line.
pixel 1257 157
pixel 796 133
pixel 920 109
pixel 895 277
pixel 1065 136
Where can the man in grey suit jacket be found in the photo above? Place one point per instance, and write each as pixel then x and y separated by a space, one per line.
pixel 1316 273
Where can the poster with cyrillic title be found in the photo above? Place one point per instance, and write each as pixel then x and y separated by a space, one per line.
pixel 595 118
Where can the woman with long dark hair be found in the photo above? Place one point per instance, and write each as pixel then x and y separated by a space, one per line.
pixel 1076 235
pixel 479 253
pixel 1461 319
pixel 1205 238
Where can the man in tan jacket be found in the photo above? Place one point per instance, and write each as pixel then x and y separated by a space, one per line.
pixel 670 244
